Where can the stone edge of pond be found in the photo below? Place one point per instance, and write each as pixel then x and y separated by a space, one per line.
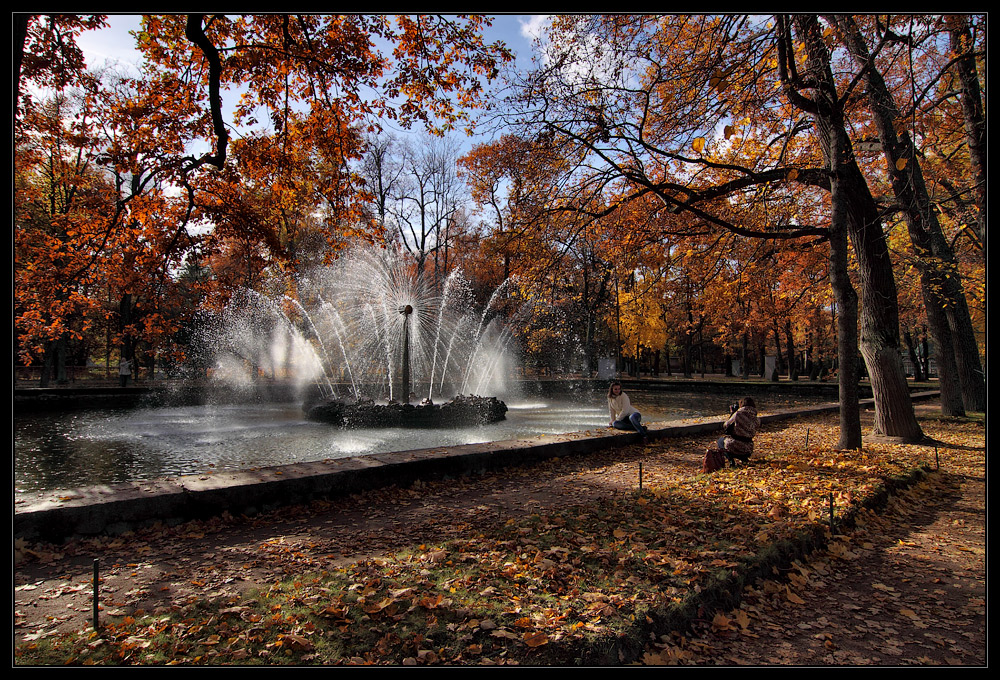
pixel 54 516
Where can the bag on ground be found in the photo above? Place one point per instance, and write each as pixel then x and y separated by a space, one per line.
pixel 714 460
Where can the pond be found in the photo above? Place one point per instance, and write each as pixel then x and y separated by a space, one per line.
pixel 103 446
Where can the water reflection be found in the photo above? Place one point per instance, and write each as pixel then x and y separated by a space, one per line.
pixel 104 446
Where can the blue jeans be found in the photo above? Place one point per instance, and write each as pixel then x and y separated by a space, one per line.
pixel 634 422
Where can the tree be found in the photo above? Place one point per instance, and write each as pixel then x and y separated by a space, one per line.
pixel 948 313
pixel 426 203
pixel 316 90
pixel 966 55
pixel 514 177
pixel 327 63
pixel 381 170
pixel 852 199
pixel 52 177
pixel 627 96
pixel 485 170
pixel 46 53
pixel 57 206
pixel 313 87
pixel 89 231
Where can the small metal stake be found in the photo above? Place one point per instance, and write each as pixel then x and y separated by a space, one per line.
pixel 807 438
pixel 640 476
pixel 937 461
pixel 832 531
pixel 96 579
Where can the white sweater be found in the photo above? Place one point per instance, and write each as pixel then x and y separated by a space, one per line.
pixel 620 407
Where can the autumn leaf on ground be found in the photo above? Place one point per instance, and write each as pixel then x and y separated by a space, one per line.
pixel 651 659
pixel 535 639
pixel 721 622
pixel 792 597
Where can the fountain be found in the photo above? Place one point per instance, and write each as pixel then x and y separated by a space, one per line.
pixel 366 334
pixel 339 340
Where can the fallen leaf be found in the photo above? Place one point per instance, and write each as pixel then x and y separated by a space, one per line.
pixel 721 622
pixel 536 639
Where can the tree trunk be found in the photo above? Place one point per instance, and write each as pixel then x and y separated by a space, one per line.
pixel 944 352
pixel 918 373
pixel 879 341
pixel 847 328
pixel 61 352
pixel 745 358
pixel 779 356
pixel 48 361
pixel 925 356
pixel 894 415
pixel 793 369
pixel 972 110
pixel 687 343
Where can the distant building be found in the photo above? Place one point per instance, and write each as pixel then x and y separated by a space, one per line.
pixel 908 365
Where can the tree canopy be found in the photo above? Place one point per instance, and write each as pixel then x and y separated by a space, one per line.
pixel 663 188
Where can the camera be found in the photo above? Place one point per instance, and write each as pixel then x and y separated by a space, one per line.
pixel 733 408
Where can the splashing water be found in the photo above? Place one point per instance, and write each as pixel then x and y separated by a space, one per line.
pixel 344 333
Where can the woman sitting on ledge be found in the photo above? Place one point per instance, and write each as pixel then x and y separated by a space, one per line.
pixel 624 416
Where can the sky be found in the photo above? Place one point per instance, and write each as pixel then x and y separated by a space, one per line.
pixel 114 44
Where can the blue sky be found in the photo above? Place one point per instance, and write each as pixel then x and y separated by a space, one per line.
pixel 114 44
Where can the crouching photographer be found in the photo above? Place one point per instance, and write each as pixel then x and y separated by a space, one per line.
pixel 737 442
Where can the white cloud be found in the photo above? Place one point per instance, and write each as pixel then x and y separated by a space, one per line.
pixel 533 28
pixel 112 44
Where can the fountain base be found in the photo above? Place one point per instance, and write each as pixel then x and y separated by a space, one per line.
pixel 459 412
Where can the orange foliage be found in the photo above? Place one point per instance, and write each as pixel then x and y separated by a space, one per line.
pixel 139 205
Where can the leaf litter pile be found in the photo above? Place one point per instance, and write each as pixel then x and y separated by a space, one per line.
pixel 625 556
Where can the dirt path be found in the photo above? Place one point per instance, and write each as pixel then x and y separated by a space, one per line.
pixel 907 587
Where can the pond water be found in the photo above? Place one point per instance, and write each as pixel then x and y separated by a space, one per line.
pixel 104 446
